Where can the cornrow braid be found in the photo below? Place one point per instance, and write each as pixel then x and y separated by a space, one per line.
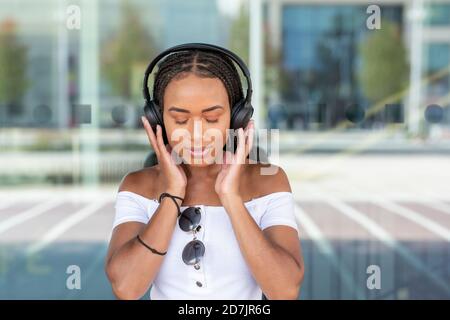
pixel 201 63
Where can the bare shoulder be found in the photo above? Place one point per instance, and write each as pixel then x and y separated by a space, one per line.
pixel 267 178
pixel 143 181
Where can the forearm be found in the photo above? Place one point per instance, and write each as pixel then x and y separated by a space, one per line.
pixel 275 270
pixel 133 267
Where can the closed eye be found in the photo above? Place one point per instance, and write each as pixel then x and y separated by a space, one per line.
pixel 209 121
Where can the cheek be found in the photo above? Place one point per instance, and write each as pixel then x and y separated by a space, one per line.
pixel 177 134
pixel 216 133
pixel 174 131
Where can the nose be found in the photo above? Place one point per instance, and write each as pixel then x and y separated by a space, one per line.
pixel 197 133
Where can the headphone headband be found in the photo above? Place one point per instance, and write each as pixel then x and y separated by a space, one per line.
pixel 201 46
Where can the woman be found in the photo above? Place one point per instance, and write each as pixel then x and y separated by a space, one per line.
pixel 236 237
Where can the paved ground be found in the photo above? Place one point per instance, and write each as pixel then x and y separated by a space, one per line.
pixel 353 211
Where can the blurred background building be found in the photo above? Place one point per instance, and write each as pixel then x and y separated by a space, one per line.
pixel 363 114
pixel 312 51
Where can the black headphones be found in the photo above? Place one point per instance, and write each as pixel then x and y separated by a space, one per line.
pixel 240 113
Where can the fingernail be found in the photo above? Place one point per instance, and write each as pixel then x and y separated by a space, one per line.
pixel 142 119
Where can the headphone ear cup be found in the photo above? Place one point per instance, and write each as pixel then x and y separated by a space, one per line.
pixel 154 117
pixel 241 115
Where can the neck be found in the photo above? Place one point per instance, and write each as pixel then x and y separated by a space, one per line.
pixel 201 172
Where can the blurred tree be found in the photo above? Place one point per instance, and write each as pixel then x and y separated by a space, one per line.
pixel 239 42
pixel 384 69
pixel 239 39
pixel 13 63
pixel 272 62
pixel 131 47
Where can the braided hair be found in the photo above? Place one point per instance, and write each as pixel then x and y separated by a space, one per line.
pixel 204 64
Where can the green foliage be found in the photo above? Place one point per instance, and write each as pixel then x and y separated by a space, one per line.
pixel 239 39
pixel 13 63
pixel 384 68
pixel 130 48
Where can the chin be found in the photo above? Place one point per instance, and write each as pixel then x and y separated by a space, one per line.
pixel 197 163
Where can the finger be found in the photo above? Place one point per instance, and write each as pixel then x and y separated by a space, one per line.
pixel 169 151
pixel 249 124
pixel 173 155
pixel 227 158
pixel 240 152
pixel 251 131
pixel 246 131
pixel 160 142
pixel 150 135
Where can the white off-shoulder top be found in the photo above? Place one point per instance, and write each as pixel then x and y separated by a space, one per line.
pixel 223 272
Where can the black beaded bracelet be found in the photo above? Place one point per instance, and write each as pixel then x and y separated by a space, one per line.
pixel 150 248
pixel 165 194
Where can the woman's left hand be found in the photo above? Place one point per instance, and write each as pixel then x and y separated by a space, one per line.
pixel 227 182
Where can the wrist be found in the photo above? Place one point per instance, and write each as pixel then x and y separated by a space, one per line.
pixel 230 198
pixel 179 192
pixel 173 202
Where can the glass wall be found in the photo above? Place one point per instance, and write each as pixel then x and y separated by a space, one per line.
pixel 323 52
pixel 363 118
pixel 70 102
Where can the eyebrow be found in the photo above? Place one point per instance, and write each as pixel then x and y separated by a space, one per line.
pixel 187 111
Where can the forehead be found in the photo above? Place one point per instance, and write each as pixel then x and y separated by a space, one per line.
pixel 193 91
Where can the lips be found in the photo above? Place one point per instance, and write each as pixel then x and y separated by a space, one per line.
pixel 198 152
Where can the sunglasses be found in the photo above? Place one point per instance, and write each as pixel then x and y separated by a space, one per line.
pixel 189 221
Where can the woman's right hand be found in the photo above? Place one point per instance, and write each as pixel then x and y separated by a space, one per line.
pixel 174 177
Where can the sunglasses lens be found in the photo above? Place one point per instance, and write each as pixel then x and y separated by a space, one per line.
pixel 193 252
pixel 189 219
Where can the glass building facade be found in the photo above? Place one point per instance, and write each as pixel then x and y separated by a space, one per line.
pixel 321 60
pixel 364 132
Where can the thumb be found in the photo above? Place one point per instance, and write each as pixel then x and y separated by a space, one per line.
pixel 169 150
pixel 175 156
pixel 227 158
